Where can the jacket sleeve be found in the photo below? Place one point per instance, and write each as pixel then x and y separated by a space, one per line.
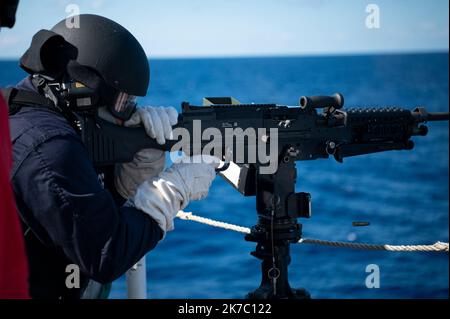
pixel 61 188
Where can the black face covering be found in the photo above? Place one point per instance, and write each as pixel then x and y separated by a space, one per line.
pixel 8 10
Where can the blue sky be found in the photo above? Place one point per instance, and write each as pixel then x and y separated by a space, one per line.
pixel 197 28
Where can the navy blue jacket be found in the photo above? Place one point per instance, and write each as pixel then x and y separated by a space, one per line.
pixel 68 217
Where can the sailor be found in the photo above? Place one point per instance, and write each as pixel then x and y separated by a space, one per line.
pixel 68 217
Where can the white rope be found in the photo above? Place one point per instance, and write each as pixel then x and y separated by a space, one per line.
pixel 436 247
pixel 211 222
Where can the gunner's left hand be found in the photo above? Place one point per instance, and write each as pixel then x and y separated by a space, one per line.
pixel 157 121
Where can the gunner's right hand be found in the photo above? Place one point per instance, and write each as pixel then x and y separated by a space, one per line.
pixel 163 196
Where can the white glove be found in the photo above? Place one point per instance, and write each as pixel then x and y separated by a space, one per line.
pixel 163 196
pixel 157 121
pixel 146 164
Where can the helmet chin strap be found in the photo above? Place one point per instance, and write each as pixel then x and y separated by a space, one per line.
pixel 53 91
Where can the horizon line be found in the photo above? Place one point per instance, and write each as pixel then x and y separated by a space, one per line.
pixel 287 55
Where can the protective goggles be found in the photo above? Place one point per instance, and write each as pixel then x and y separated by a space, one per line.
pixel 123 106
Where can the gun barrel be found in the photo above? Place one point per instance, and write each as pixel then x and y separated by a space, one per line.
pixel 438 116
pixel 421 115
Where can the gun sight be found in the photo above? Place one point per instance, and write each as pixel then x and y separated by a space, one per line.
pixel 335 101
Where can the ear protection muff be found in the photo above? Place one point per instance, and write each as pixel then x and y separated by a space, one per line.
pixel 51 56
pixel 48 54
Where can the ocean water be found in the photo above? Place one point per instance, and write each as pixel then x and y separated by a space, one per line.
pixel 404 194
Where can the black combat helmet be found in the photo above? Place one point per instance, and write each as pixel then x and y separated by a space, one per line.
pixel 96 52
pixel 109 49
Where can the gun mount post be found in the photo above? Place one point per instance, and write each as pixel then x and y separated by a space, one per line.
pixel 278 208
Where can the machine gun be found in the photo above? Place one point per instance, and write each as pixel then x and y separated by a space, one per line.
pixel 318 128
